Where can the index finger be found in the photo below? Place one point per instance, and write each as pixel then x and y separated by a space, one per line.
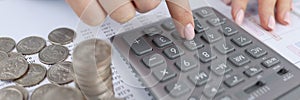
pixel 182 16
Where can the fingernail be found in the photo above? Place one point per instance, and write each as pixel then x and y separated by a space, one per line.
pixel 189 33
pixel 271 23
pixel 287 18
pixel 239 17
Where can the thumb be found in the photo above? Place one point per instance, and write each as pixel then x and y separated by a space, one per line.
pixel 183 18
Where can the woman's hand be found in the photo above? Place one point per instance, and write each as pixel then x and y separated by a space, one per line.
pixel 270 11
pixel 94 12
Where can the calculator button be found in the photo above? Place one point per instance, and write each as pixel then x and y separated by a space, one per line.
pixel 239 59
pixel 233 80
pixel 211 36
pixel 253 71
pixel 198 78
pixel 173 52
pixel 193 44
pixel 256 52
pixel 152 31
pixel 176 35
pixel 270 62
pixel 205 12
pixel 211 91
pixel 199 27
pixel 228 30
pixel 220 68
pixel 168 25
pixel 205 55
pixel 163 73
pixel 224 48
pixel 241 40
pixel 177 89
pixel 140 46
pixel 226 97
pixel 161 41
pixel 185 63
pixel 216 21
pixel 153 60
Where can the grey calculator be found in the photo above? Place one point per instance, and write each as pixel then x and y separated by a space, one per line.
pixel 222 62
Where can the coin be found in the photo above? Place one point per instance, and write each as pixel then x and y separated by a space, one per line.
pixel 64 93
pixel 61 36
pixel 41 91
pixel 22 90
pixel 15 54
pixel 61 73
pixel 3 55
pixel 7 44
pixel 53 54
pixel 31 45
pixel 35 75
pixel 10 94
pixel 13 68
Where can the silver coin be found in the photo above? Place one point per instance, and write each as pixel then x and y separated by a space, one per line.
pixel 13 68
pixel 64 93
pixel 10 94
pixel 7 44
pixel 35 75
pixel 53 54
pixel 41 91
pixel 61 73
pixel 22 90
pixel 61 36
pixel 15 54
pixel 3 55
pixel 31 45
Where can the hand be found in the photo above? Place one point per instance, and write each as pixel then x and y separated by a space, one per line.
pixel 269 10
pixel 94 12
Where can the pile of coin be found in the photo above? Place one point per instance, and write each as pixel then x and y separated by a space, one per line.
pixel 14 67
pixel 92 60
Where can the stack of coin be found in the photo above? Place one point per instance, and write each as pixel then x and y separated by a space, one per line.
pixel 91 61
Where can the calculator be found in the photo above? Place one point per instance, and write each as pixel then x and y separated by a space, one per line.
pixel 222 62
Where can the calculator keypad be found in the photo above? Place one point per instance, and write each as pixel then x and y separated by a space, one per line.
pixel 222 62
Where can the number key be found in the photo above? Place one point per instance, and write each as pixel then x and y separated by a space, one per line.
pixel 161 41
pixel 173 52
pixel 193 44
pixel 185 63
pixel 211 36
pixel 205 55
